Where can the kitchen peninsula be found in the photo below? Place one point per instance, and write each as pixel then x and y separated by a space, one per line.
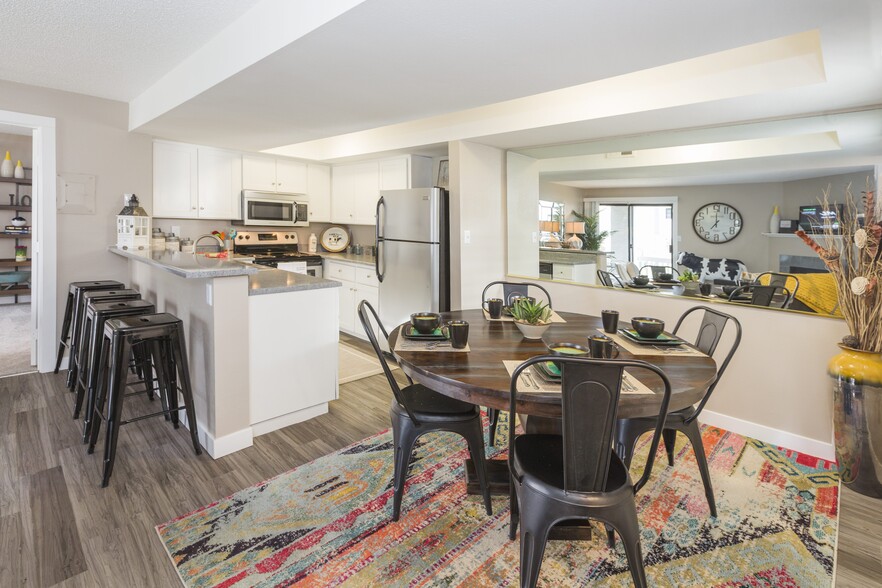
pixel 262 342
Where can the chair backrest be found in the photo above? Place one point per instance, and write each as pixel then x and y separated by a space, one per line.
pixel 788 281
pixel 590 390
pixel 510 289
pixel 627 270
pixel 713 325
pixel 656 270
pixel 609 280
pixel 761 295
pixel 367 315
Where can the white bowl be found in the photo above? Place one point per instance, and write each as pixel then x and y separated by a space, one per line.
pixel 16 222
pixel 532 331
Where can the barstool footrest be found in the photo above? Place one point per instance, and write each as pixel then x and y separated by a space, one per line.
pixel 151 415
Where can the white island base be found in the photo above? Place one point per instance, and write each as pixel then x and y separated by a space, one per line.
pixel 292 357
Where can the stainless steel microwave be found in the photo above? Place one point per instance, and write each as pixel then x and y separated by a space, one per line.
pixel 276 210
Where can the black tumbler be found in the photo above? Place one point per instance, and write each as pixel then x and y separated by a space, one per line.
pixel 610 320
pixel 493 307
pixel 458 333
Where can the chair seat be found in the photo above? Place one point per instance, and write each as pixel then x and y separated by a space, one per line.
pixel 540 457
pixel 426 403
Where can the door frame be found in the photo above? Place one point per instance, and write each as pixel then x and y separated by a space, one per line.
pixel 592 202
pixel 44 236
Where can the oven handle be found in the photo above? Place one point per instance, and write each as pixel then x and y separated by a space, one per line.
pixel 381 203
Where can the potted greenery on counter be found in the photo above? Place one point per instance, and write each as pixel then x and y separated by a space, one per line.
pixel 593 237
pixel 531 317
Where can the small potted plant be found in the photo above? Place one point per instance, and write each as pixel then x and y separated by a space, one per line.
pixel 689 285
pixel 531 317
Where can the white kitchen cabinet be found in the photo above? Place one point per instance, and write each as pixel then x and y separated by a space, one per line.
pixel 318 188
pixel 219 183
pixel 356 187
pixel 195 182
pixel 584 273
pixel 174 180
pixel 272 174
pixel 358 282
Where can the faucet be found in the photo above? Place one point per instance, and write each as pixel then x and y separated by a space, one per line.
pixel 220 243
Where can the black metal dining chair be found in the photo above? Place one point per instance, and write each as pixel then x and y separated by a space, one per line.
pixel 710 331
pixel 509 290
pixel 577 475
pixel 789 281
pixel 514 289
pixel 761 295
pixel 417 410
pixel 609 280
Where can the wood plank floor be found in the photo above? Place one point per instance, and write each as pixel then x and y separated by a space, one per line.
pixel 59 528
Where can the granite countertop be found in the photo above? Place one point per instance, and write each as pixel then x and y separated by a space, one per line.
pixel 275 281
pixel 350 257
pixel 188 265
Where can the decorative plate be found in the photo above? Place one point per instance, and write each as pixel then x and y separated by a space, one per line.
pixel 662 339
pixel 410 332
pixel 335 239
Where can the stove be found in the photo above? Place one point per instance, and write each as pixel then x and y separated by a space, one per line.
pixel 272 248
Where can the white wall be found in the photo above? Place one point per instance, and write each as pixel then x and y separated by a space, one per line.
pixel 91 138
pixel 477 194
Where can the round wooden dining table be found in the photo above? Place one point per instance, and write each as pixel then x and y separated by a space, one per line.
pixel 479 376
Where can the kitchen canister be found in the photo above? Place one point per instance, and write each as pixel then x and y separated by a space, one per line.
pixel 187 246
pixel 157 240
pixel 7 168
pixel 172 243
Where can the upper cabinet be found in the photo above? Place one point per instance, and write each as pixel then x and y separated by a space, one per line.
pixel 318 188
pixel 356 187
pixel 274 174
pixel 195 182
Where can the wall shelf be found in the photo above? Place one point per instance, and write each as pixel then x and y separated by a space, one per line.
pixel 814 236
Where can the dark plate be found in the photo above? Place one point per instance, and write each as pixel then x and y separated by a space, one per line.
pixel 662 339
pixel 644 287
pixel 665 283
pixel 548 372
pixel 410 333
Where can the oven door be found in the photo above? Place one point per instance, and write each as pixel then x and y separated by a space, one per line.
pixel 314 270
pixel 269 209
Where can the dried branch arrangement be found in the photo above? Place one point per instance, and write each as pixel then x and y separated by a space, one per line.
pixel 856 268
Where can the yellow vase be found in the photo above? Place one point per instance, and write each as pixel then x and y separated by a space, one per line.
pixel 7 167
pixel 857 418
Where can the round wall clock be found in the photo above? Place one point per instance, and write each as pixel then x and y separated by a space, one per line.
pixel 717 222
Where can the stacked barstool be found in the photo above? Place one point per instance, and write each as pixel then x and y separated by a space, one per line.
pixel 97 313
pixel 74 297
pixel 162 336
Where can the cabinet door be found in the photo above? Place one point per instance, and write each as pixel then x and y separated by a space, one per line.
pixel 342 194
pixel 367 190
pixel 394 174
pixel 347 306
pixel 259 173
pixel 220 184
pixel 291 176
pixel 174 180
pixel 318 189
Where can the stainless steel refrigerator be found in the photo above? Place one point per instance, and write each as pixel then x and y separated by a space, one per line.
pixel 413 253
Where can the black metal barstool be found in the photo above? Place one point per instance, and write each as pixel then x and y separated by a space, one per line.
pixel 74 292
pixel 163 336
pixel 90 349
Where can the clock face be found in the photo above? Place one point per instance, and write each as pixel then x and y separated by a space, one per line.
pixel 717 223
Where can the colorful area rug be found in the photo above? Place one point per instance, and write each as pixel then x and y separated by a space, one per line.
pixel 327 523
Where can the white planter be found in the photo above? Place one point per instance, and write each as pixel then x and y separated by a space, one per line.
pixel 532 331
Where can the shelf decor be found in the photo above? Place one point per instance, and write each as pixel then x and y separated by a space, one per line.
pixel 21 253
pixel 857 370
pixel 132 226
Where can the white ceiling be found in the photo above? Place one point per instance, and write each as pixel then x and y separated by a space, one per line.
pixel 381 75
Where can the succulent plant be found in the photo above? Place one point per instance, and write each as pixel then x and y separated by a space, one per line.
pixel 530 312
pixel 688 276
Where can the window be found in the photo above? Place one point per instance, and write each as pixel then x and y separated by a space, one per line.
pixel 641 230
pixel 551 219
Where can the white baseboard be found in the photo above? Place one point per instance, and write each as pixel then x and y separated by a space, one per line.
pixel 218 447
pixel 299 416
pixel 769 435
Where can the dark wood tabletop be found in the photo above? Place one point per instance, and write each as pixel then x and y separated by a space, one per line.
pixel 480 377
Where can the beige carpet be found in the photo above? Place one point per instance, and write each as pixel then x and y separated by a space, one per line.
pixel 355 365
pixel 15 341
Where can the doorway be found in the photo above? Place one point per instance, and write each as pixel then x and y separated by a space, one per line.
pixel 641 233
pixel 43 239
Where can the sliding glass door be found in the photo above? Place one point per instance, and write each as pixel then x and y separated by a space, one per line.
pixel 640 233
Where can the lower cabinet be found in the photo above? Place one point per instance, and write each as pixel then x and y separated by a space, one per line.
pixel 358 282
pixel 584 273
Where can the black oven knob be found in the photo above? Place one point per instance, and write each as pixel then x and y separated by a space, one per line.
pixel 247 236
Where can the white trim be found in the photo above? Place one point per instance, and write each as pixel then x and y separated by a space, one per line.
pixel 297 416
pixel 766 434
pixel 221 446
pixel 44 239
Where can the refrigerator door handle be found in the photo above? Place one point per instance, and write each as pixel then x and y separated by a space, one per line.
pixel 378 237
